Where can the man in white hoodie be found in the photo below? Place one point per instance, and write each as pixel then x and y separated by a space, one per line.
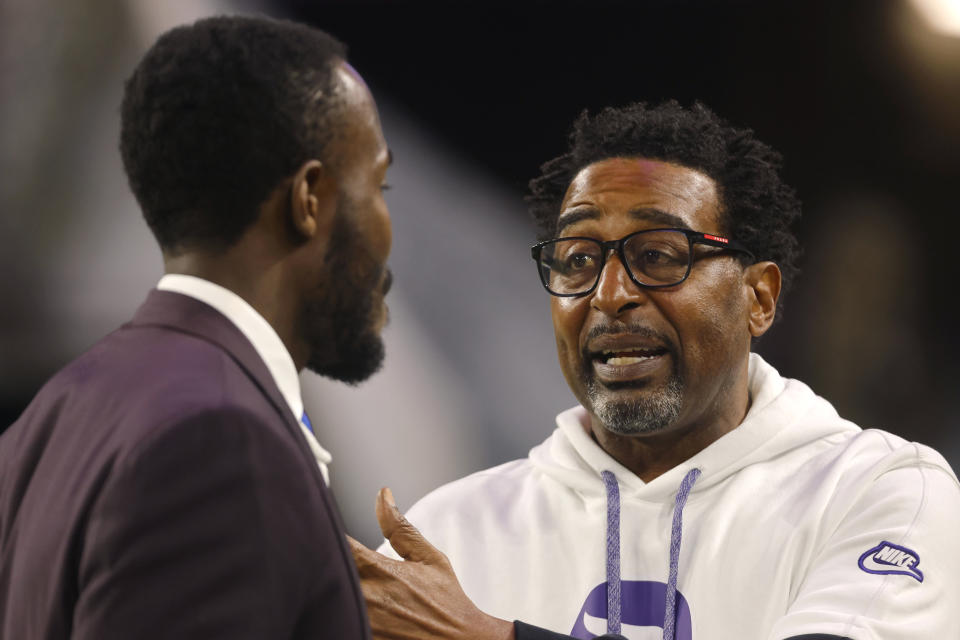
pixel 694 493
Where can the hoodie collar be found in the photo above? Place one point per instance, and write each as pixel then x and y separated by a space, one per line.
pixel 574 458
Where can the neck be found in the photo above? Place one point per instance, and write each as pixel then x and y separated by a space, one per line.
pixel 256 278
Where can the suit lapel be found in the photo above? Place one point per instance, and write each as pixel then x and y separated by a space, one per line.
pixel 191 316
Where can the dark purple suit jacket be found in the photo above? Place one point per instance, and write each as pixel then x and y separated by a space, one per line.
pixel 158 487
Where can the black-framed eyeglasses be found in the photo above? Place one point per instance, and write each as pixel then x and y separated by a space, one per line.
pixel 653 258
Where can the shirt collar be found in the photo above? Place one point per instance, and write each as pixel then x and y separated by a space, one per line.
pixel 261 335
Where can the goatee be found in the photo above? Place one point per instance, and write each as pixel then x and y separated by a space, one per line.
pixel 651 412
pixel 648 409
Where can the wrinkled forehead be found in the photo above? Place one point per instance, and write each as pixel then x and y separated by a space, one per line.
pixel 684 196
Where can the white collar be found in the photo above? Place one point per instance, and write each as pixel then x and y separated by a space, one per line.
pixel 264 339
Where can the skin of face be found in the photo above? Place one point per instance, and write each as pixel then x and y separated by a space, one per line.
pixel 363 159
pixel 345 279
pixel 700 330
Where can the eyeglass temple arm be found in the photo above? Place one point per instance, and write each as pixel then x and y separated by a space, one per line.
pixel 723 243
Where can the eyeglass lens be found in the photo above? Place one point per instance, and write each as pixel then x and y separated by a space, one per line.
pixel 573 265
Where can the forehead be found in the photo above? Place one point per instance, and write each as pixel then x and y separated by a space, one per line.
pixel 359 120
pixel 622 190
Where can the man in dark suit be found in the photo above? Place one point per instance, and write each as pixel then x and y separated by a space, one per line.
pixel 166 484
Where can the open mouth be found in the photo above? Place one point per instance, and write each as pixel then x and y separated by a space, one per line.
pixel 628 356
pixel 632 357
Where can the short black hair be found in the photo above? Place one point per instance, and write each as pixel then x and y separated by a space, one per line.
pixel 756 207
pixel 216 115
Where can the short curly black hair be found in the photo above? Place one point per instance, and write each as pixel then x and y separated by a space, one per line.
pixel 757 208
pixel 216 115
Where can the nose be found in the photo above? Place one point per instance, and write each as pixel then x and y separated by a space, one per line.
pixel 616 293
pixel 387 281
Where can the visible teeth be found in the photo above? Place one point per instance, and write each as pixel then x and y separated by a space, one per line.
pixel 610 352
pixel 627 360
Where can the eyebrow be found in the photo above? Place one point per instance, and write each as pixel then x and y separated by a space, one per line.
pixel 649 214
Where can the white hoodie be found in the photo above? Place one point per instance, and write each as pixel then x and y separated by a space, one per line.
pixel 799 523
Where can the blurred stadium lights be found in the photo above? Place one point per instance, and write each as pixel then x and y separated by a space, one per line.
pixel 941 15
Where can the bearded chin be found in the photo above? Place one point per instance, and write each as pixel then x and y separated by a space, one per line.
pixel 337 320
pixel 356 351
pixel 649 413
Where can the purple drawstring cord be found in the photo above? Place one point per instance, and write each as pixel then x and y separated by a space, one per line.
pixel 613 551
pixel 676 533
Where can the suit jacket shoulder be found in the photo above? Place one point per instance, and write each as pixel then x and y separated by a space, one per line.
pixel 158 486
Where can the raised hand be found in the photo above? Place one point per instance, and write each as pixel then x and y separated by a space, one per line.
pixel 419 597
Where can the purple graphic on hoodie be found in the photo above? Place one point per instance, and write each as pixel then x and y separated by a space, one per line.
pixel 643 605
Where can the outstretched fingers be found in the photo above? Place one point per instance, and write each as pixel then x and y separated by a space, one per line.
pixel 419 597
pixel 405 538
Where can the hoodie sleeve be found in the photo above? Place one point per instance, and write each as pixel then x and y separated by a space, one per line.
pixel 888 566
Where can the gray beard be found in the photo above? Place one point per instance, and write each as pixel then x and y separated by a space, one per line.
pixel 648 414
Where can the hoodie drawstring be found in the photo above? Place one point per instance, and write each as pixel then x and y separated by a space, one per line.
pixel 676 533
pixel 613 552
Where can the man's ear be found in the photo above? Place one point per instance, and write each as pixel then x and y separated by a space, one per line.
pixel 763 281
pixel 313 200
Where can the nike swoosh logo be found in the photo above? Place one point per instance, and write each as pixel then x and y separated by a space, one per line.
pixel 891 559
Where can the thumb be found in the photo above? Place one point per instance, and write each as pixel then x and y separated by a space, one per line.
pixel 405 539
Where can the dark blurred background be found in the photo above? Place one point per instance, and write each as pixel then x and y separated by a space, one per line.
pixel 862 97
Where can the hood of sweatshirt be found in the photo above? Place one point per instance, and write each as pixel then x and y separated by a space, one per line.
pixel 784 414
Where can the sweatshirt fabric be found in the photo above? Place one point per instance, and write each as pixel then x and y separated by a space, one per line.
pixel 796 522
